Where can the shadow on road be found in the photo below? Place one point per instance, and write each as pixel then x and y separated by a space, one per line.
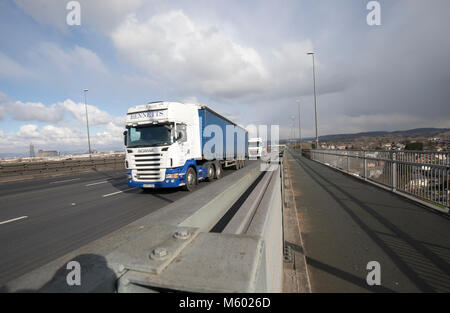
pixel 426 269
pixel 95 276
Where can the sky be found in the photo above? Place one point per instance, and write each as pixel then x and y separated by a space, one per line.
pixel 245 59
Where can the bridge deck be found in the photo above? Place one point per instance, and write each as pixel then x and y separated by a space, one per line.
pixel 346 223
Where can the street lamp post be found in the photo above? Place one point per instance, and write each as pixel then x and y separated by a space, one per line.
pixel 315 97
pixel 87 121
pixel 293 130
pixel 299 127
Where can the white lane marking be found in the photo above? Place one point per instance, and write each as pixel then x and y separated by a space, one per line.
pixel 100 182
pixel 13 219
pixel 115 193
pixel 63 181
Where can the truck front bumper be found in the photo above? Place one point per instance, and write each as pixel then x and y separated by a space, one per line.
pixel 167 183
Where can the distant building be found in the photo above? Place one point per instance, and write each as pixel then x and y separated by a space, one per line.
pixel 46 154
pixel 32 155
pixel 435 139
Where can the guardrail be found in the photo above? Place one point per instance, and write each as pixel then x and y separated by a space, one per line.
pixel 42 168
pixel 177 249
pixel 423 176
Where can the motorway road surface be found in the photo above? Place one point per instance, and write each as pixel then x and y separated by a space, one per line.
pixel 45 219
pixel 346 223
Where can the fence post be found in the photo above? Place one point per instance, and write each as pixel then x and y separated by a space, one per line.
pixel 348 164
pixel 365 165
pixel 394 172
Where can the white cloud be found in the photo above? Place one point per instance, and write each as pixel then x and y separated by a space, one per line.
pixel 49 63
pixel 61 134
pixel 291 68
pixel 95 115
pixel 100 14
pixel 56 112
pixel 64 136
pixel 119 121
pixel 204 60
pixel 67 61
pixel 34 111
pixel 2 113
pixel 54 137
pixel 10 69
pixel 28 131
pixel 3 97
pixel 190 99
pixel 3 100
pixel 174 49
pixel 47 12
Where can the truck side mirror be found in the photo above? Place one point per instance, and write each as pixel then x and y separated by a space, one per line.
pixel 180 135
pixel 125 137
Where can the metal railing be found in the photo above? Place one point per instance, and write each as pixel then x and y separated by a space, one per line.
pixel 421 175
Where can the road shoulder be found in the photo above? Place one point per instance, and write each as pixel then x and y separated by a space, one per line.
pixel 295 274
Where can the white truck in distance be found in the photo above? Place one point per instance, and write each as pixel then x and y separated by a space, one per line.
pixel 255 148
pixel 172 144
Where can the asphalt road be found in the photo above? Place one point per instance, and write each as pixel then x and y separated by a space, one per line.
pixel 44 219
pixel 346 223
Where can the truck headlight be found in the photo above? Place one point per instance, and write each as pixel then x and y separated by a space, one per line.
pixel 129 176
pixel 169 176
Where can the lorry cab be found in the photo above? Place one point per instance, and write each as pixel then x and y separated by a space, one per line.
pixel 159 138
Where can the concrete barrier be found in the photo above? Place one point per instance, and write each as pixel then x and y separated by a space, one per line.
pixel 31 170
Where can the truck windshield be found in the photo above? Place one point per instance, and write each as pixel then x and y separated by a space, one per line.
pixel 149 136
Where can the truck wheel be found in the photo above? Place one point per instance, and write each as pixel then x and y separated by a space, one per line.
pixel 191 179
pixel 210 172
pixel 219 171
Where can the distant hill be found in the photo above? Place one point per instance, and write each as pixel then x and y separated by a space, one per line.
pixel 417 132
pixel 7 155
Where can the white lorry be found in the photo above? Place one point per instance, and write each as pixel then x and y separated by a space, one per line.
pixel 172 144
pixel 255 148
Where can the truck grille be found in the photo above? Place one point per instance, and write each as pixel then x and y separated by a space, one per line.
pixel 148 167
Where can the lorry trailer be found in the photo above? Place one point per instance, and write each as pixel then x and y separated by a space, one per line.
pixel 173 144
